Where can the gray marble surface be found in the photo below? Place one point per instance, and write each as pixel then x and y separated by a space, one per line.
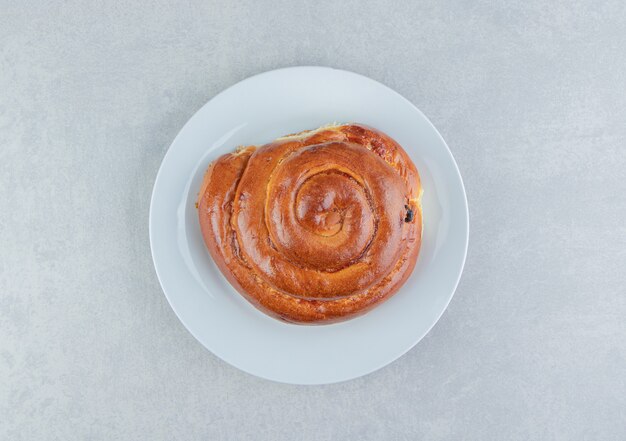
pixel 531 98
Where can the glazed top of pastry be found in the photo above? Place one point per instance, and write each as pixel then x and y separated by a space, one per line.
pixel 314 227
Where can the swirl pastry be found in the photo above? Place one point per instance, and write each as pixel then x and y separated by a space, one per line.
pixel 315 227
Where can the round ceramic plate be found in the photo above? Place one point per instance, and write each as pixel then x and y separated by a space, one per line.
pixel 258 110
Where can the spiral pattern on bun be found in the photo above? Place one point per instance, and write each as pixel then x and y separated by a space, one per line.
pixel 315 227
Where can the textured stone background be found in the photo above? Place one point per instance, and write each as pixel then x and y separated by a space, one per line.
pixel 532 101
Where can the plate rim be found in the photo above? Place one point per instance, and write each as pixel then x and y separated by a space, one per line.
pixel 448 152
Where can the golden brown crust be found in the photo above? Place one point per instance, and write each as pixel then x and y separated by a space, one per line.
pixel 315 227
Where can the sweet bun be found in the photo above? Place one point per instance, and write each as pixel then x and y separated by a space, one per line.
pixel 315 227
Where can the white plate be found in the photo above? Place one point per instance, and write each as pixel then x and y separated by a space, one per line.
pixel 256 111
